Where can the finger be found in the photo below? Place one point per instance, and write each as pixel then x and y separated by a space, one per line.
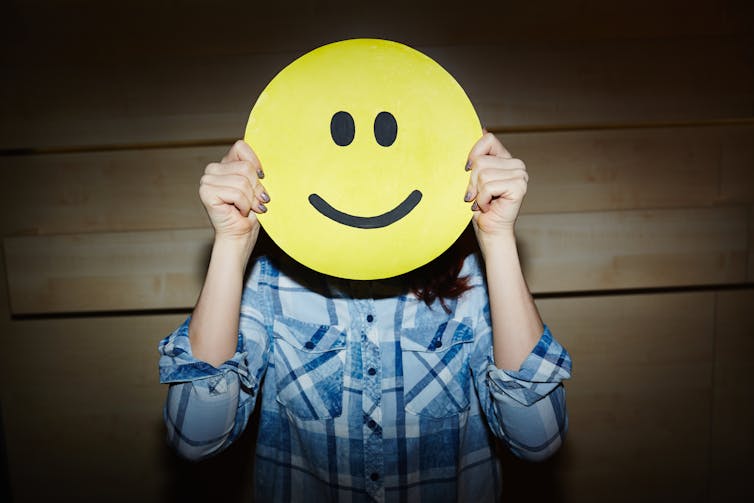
pixel 512 189
pixel 236 175
pixel 247 168
pixel 488 167
pixel 239 168
pixel 489 179
pixel 494 163
pixel 239 182
pixel 488 144
pixel 241 151
pixel 261 197
pixel 216 195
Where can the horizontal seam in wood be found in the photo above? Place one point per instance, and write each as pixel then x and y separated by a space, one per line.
pixel 220 142
pixel 646 290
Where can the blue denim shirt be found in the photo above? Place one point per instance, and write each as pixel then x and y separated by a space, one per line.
pixel 367 394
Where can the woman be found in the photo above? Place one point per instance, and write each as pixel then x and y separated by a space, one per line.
pixel 371 390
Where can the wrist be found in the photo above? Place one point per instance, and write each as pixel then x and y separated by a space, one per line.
pixel 500 243
pixel 234 249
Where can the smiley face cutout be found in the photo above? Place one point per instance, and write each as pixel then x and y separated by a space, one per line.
pixel 363 144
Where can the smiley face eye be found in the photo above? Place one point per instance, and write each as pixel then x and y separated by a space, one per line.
pixel 342 128
pixel 385 128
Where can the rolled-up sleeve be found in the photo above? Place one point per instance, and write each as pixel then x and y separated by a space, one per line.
pixel 526 408
pixel 207 407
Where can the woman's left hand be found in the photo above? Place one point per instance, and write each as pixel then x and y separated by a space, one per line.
pixel 497 186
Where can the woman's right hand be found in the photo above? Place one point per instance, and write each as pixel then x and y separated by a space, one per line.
pixel 232 194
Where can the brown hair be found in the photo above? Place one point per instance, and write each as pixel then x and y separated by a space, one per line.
pixel 441 279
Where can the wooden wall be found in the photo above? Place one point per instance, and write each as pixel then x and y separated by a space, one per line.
pixel 635 119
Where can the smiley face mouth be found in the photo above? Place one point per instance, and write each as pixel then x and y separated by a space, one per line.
pixel 375 222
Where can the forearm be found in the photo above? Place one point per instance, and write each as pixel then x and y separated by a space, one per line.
pixel 214 323
pixel 516 324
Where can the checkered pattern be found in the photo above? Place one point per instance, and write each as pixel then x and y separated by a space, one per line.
pixel 367 394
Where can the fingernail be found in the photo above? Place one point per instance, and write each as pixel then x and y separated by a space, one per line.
pixel 260 173
pixel 467 197
pixel 475 206
pixel 468 165
pixel 265 197
pixel 262 208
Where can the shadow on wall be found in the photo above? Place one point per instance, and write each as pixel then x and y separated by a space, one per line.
pixel 530 481
pixel 226 477
pixel 4 475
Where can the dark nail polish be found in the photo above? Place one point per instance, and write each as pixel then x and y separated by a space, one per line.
pixel 262 208
pixel 475 206
pixel 467 197
pixel 265 197
pixel 468 165
pixel 260 173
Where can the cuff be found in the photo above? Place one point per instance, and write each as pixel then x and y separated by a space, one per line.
pixel 544 369
pixel 177 363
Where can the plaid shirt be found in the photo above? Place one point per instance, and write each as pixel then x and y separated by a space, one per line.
pixel 367 395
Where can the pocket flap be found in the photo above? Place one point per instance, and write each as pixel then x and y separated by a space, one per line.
pixel 436 338
pixel 309 337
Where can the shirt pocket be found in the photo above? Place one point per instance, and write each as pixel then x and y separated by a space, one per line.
pixel 309 362
pixel 436 374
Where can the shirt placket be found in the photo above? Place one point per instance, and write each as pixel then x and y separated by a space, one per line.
pixel 372 401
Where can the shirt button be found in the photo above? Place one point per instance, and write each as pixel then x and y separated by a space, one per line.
pixel 371 423
pixel 375 476
pixel 371 371
pixel 370 318
pixel 309 345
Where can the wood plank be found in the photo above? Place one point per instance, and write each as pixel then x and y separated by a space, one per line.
pixel 570 171
pixel 108 271
pixel 560 252
pixel 737 163
pixel 104 191
pixel 160 31
pixel 620 169
pixel 733 412
pixel 641 388
pixel 633 249
pixel 525 83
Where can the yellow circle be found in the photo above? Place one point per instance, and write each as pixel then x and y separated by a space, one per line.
pixel 363 144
